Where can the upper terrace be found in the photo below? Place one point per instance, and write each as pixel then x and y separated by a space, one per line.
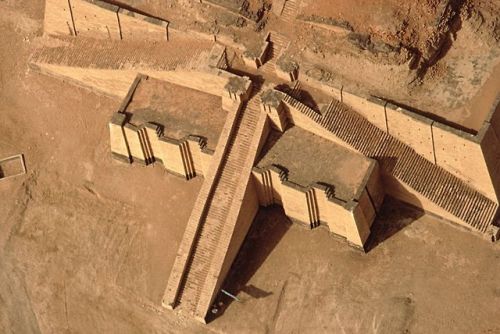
pixel 172 106
pixel 309 158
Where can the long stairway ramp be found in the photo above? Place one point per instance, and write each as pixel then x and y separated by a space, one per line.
pixel 400 161
pixel 278 44
pixel 91 53
pixel 217 227
pixel 290 10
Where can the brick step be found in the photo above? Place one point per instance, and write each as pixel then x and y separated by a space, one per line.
pixel 290 10
pixel 212 225
pixel 435 183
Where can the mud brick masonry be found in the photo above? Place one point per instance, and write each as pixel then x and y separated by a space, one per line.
pixel 442 170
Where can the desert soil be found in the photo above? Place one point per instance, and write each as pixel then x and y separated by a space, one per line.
pixel 87 243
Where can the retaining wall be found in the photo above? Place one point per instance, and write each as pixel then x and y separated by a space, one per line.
pixel 99 19
pixel 412 129
pixel 116 83
pixel 113 83
pixel 472 158
pixel 316 204
pixel 469 157
pixel 145 143
pixel 462 155
pixel 58 18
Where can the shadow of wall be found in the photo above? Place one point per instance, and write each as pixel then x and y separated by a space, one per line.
pixel 393 217
pixel 267 230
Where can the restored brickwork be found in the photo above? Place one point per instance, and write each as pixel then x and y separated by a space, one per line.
pixel 449 193
pixel 437 168
pixel 102 20
pixel 316 204
pixel 459 153
pixel 58 18
pixel 137 26
pixel 413 130
pixel 94 21
pixel 118 141
pixel 372 110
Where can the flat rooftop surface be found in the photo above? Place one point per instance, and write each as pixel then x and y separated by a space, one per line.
pixel 310 158
pixel 182 111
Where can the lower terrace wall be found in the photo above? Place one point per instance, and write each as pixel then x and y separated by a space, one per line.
pixel 144 144
pixel 469 157
pixel 463 154
pixel 412 129
pixel 94 21
pixel 137 26
pixel 491 145
pixel 115 83
pixel 373 110
pixel 58 18
pixel 99 19
pixel 316 204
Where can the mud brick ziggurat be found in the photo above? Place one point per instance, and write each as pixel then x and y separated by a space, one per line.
pixel 257 142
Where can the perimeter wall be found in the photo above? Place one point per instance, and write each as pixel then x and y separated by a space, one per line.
pixel 472 158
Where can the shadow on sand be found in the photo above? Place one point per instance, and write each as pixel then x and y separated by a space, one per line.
pixel 393 217
pixel 267 230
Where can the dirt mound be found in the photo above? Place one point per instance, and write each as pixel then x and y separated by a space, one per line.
pixel 425 27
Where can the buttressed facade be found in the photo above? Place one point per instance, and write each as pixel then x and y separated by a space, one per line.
pixel 202 105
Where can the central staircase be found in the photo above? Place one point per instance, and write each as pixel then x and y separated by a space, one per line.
pixel 196 274
pixel 290 10
pixel 278 44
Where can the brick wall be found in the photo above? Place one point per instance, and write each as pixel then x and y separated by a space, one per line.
pixel 411 129
pixel 118 141
pixel 134 143
pixel 472 158
pixel 371 108
pixel 314 204
pixel 94 21
pixel 184 157
pixel 137 26
pixel 58 19
pixel 462 155
pixel 116 83
pixel 99 19
pixel 113 83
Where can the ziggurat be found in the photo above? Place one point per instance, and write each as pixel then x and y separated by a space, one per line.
pixel 261 129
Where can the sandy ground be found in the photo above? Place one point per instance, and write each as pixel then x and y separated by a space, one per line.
pixel 86 243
